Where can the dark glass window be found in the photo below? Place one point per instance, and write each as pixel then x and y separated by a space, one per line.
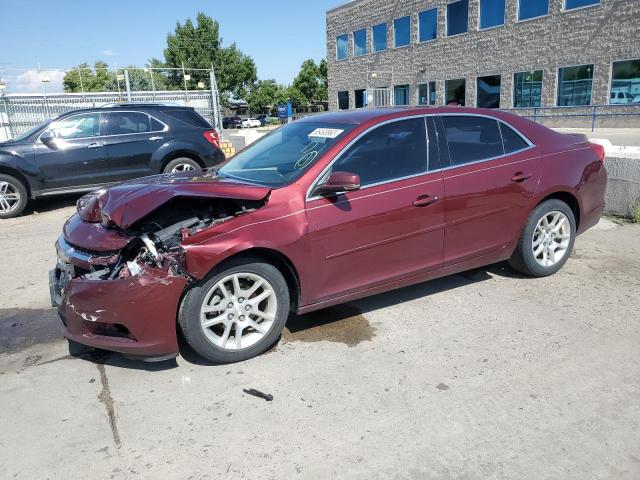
pixel 488 91
pixel 472 138
pixel 401 94
pixel 625 82
pixel 343 100
pixel 532 8
pixel 379 37
pixel 457 17
pixel 569 4
pixel 123 123
pixel 360 98
pixel 511 140
pixel 187 116
pixel 454 92
pixel 342 47
pixel 402 31
pixel 427 93
pixel 360 42
pixel 394 150
pixel 428 25
pixel 491 13
pixel 574 85
pixel 527 89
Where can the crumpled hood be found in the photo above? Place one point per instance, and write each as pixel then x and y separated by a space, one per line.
pixel 128 202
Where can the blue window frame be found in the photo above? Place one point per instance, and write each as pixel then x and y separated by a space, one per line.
pixel 360 42
pixel 342 47
pixel 428 24
pixel 570 4
pixel 379 37
pixel 402 31
pixel 491 13
pixel 488 91
pixel 527 89
pixel 401 94
pixel 574 85
pixel 457 17
pixel 532 8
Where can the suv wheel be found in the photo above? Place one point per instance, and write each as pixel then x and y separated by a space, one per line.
pixel 13 197
pixel 180 165
pixel 237 313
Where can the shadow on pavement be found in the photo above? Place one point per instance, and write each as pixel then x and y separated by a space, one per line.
pixel 48 204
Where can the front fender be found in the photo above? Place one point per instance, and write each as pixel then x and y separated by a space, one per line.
pixel 22 167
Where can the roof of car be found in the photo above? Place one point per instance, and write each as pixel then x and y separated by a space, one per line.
pixel 129 106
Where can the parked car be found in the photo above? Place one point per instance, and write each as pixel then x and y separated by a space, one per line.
pixel 251 122
pixel 620 97
pixel 327 209
pixel 87 149
pixel 231 122
pixel 263 119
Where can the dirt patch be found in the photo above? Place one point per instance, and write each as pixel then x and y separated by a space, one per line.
pixel 341 324
pixel 23 327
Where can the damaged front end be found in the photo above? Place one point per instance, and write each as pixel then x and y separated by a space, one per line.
pixel 120 288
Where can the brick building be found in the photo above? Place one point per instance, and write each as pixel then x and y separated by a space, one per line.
pixel 489 53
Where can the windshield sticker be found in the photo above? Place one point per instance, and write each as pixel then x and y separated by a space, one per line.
pixel 310 146
pixel 325 133
pixel 305 160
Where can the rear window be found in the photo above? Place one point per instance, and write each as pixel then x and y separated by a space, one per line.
pixel 189 117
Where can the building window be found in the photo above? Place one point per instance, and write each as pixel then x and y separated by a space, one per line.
pixel 625 82
pixel 532 9
pixel 488 91
pixel 454 92
pixel 343 100
pixel 427 93
pixel 402 31
pixel 379 37
pixel 574 85
pixel 571 4
pixel 359 42
pixel 527 89
pixel 428 25
pixel 342 47
pixel 457 17
pixel 401 95
pixel 491 13
pixel 360 98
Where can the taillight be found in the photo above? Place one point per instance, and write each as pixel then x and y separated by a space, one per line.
pixel 598 150
pixel 212 137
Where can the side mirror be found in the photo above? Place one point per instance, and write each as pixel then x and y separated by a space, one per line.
pixel 48 138
pixel 339 182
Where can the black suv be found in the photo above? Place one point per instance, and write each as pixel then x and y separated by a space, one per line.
pixel 87 149
pixel 231 122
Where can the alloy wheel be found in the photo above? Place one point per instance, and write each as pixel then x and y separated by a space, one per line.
pixel 551 238
pixel 182 167
pixel 238 311
pixel 9 197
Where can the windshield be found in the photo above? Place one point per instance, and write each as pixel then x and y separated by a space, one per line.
pixel 285 154
pixel 30 132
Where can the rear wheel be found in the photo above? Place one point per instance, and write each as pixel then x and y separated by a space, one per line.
pixel 237 313
pixel 547 239
pixel 13 196
pixel 180 165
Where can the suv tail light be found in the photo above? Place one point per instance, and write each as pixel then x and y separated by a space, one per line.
pixel 598 150
pixel 212 137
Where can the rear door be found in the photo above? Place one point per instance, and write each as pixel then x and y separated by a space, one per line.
pixel 132 138
pixel 492 176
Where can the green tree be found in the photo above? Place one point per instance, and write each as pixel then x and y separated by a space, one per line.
pixel 323 92
pixel 199 46
pixel 262 97
pixel 88 79
pixel 311 81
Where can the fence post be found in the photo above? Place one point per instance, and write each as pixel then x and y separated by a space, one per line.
pixel 6 111
pixel 593 118
pixel 127 85
pixel 535 114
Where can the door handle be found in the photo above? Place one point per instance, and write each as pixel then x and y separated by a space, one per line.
pixel 520 177
pixel 155 138
pixel 94 145
pixel 424 200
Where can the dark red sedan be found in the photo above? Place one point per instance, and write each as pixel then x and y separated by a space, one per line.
pixel 321 211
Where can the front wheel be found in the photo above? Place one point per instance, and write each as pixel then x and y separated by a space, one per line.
pixel 13 197
pixel 237 313
pixel 546 241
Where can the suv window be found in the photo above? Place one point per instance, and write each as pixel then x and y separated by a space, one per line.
pixel 394 150
pixel 472 138
pixel 189 117
pixel 77 126
pixel 511 140
pixel 123 123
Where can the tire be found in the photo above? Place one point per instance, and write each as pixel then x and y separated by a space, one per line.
pixel 209 340
pixel 13 197
pixel 538 235
pixel 182 164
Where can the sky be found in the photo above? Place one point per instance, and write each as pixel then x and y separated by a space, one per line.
pixel 56 34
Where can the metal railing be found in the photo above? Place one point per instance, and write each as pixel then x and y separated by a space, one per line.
pixel 591 116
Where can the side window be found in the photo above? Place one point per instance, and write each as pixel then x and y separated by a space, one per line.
pixel 123 123
pixel 77 126
pixel 512 141
pixel 394 150
pixel 472 138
